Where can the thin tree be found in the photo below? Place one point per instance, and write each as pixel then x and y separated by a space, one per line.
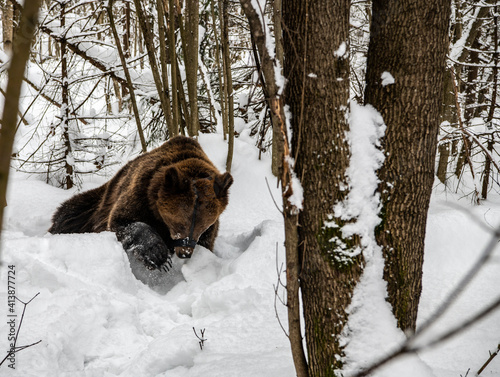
pixel 288 186
pixel 189 34
pixel 21 49
pixel 127 75
pixel 7 24
pixel 147 32
pixel 228 79
pixel 68 180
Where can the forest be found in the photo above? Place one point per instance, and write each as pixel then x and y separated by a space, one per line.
pixel 346 125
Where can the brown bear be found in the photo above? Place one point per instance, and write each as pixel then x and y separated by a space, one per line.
pixel 164 201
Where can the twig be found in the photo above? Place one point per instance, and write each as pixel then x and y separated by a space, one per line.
pixel 272 197
pixel 279 271
pixel 202 338
pixel 492 356
pixel 15 348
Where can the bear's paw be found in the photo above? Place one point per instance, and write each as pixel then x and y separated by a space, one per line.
pixel 142 242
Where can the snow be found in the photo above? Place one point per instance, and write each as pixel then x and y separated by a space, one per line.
pixel 362 203
pixel 456 49
pixel 371 325
pixel 206 81
pixel 387 79
pixel 95 318
pixel 297 196
pixel 259 7
pixel 341 51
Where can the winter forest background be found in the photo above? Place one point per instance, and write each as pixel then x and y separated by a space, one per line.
pixel 345 103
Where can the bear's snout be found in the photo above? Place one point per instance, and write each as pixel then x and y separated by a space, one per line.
pixel 183 252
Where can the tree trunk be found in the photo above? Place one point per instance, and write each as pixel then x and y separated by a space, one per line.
pixel 189 35
pixel 317 71
pixel 173 66
pixel 7 24
pixel 147 32
pixel 228 80
pixel 222 86
pixel 278 36
pixel 487 169
pixel 409 41
pixel 290 211
pixel 444 155
pixel 171 126
pixel 130 86
pixel 126 30
pixel 68 181
pixel 29 20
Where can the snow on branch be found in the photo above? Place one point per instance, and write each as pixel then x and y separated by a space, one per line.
pixel 75 48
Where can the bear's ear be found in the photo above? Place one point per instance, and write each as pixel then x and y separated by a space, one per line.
pixel 174 180
pixel 222 183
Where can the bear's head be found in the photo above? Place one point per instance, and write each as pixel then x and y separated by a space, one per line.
pixel 189 204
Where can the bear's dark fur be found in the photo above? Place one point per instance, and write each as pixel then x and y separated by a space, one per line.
pixel 163 201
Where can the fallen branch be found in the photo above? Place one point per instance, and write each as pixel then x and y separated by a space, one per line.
pixel 492 356
pixel 202 339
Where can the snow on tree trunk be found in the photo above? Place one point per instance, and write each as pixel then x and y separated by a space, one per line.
pixel 316 66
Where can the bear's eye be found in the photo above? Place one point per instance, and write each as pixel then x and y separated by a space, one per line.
pixel 203 175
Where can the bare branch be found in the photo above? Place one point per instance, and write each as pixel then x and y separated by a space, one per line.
pixel 492 356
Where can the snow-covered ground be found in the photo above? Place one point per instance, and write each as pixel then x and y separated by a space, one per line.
pixel 94 318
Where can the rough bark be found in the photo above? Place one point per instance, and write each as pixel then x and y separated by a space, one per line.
pixel 409 40
pixel 316 67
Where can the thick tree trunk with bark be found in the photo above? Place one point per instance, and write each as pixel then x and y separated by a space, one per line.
pixel 405 65
pixel 316 67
